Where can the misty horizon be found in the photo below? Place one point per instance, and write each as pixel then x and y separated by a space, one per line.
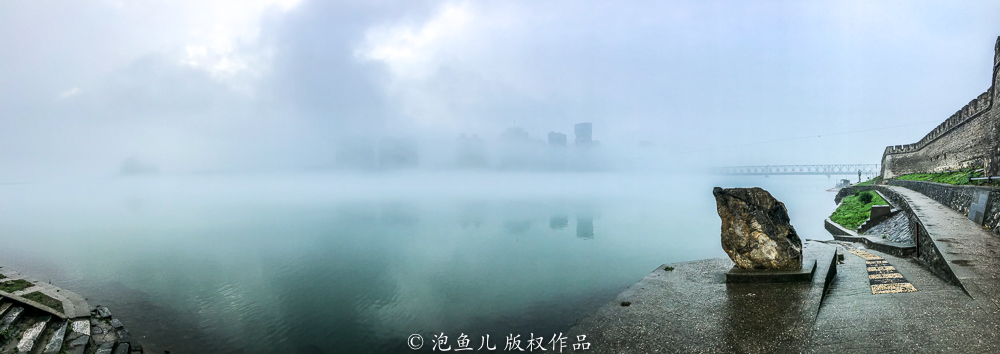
pixel 280 85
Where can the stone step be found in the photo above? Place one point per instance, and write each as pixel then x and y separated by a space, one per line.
pixel 4 306
pixel 55 342
pixel 77 336
pixel 105 348
pixel 31 334
pixel 10 318
pixel 103 333
pixel 15 332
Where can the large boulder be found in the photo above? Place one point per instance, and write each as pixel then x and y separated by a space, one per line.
pixel 755 229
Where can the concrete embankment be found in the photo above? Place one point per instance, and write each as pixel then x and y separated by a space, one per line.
pixel 949 304
pixel 691 309
pixel 37 317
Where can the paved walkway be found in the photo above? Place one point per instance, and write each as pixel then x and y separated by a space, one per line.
pixel 972 252
pixel 938 318
pixel 691 309
pixel 74 305
pixel 882 275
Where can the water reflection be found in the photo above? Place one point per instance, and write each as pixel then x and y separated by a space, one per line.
pixel 244 269
pixel 472 214
pixel 358 213
pixel 399 214
pixel 558 222
pixel 585 227
pixel 516 227
pixel 771 314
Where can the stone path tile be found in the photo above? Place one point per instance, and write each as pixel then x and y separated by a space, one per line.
pixel 882 276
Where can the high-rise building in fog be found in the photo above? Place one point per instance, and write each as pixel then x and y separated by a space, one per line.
pixel 514 134
pixel 557 139
pixel 583 134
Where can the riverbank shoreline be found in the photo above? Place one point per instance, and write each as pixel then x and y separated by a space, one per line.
pixel 38 317
pixel 941 299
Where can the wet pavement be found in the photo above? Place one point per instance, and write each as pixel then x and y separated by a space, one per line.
pixel 691 309
pixel 937 318
pixel 972 253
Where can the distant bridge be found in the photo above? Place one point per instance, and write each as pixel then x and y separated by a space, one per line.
pixel 828 170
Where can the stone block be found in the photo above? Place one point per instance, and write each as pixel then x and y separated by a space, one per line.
pixel 135 347
pixel 30 336
pixel 977 209
pixel 11 318
pixel 122 348
pixel 103 312
pixel 55 343
pixel 82 327
pixel 756 233
pixel 105 348
pixel 880 211
pixel 76 342
pixel 803 275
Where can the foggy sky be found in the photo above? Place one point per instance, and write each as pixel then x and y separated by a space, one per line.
pixel 273 84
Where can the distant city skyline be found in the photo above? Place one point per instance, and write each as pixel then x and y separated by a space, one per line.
pixel 278 85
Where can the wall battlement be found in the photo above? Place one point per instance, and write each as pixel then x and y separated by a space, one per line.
pixel 968 138
pixel 980 105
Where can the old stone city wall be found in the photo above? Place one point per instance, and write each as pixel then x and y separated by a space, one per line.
pixel 969 138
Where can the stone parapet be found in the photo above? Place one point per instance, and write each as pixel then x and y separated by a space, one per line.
pixel 958 198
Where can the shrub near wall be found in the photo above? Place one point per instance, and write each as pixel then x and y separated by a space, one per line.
pixel 855 209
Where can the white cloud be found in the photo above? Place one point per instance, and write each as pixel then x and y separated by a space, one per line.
pixel 411 52
pixel 70 93
pixel 219 37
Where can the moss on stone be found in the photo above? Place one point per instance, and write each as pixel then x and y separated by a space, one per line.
pixel 15 285
pixel 45 300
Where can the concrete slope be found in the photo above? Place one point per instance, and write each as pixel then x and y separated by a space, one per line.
pixel 971 252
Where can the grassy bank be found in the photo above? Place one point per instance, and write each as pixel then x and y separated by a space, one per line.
pixel 958 178
pixel 855 209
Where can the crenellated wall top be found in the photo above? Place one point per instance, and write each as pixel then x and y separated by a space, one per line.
pixel 975 107
pixel 996 51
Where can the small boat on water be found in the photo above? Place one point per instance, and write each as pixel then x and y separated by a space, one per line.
pixel 843 183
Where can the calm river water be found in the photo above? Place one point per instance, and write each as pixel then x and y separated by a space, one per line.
pixel 325 263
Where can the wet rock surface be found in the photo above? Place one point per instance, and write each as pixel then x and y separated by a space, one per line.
pixel 31 327
pixel 756 233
